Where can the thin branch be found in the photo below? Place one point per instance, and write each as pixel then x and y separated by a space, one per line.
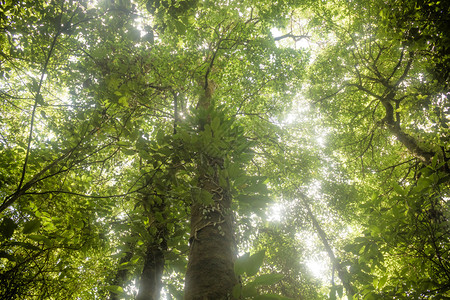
pixel 330 95
pixel 397 165
pixel 369 144
pixel 361 88
pixel 12 198
pixel 397 65
pixel 211 64
pixel 89 196
pixel 407 68
pixel 175 111
pixel 296 38
pixel 36 100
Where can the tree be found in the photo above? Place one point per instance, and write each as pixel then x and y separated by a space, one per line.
pixel 387 89
pixel 146 145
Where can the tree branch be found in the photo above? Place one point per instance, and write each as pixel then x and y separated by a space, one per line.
pixel 12 198
pixel 394 126
pixel 296 38
pixel 342 273
pixel 36 100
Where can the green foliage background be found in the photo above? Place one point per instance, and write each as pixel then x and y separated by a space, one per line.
pixel 336 112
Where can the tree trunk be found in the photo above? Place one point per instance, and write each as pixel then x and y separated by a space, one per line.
pixel 150 283
pixel 210 271
pixel 408 141
pixel 342 273
pixel 122 274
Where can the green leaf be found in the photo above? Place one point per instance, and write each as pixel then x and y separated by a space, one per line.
pixel 175 292
pixel 444 179
pixel 180 27
pixel 206 135
pixel 202 196
pixel 254 262
pixel 423 183
pixel 40 238
pixel 215 124
pixel 332 294
pixel 237 290
pixel 123 144
pixel 382 281
pixel 128 151
pixel 134 34
pixel 7 227
pixel 126 265
pixel 37 237
pixel 123 101
pixel 268 279
pixel 434 160
pixel 241 263
pixel 340 290
pixel 249 291
pixel 398 189
pixel 159 217
pixel 257 188
pixel 4 254
pixel 271 297
pixel 40 99
pixel 374 229
pixel 354 248
pixel 31 226
pixel 255 201
pixel 26 246
pixel 370 296
pixel 115 289
pixel 375 282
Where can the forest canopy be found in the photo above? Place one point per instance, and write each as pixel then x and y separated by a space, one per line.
pixel 197 149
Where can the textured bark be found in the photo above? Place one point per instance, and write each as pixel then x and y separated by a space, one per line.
pixel 408 141
pixel 150 283
pixel 210 271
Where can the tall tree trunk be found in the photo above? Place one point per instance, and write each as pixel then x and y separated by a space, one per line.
pixel 150 283
pixel 343 275
pixel 210 270
pixel 122 274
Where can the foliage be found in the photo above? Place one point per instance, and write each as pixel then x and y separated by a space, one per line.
pixel 103 135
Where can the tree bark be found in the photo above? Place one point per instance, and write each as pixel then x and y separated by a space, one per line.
pixel 392 120
pixel 151 279
pixel 408 141
pixel 210 270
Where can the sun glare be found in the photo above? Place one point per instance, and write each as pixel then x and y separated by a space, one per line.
pixel 316 261
pixel 275 212
pixel 318 267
